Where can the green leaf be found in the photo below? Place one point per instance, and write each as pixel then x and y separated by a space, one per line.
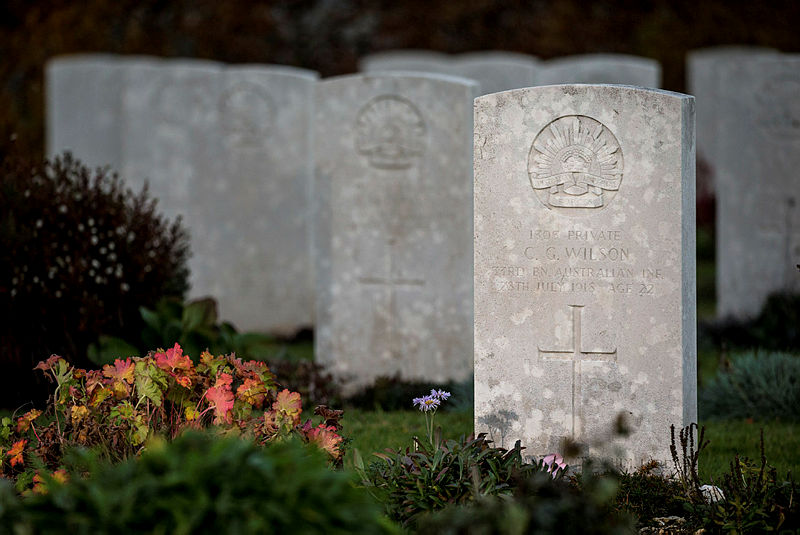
pixel 110 348
pixel 150 382
pixel 151 318
pixel 171 333
pixel 358 462
pixel 199 313
pixel 170 308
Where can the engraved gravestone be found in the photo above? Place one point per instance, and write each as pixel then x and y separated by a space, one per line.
pixel 601 69
pixel 170 141
pixel 703 82
pixel 393 188
pixel 758 187
pixel 260 239
pixel 497 71
pixel 169 137
pixel 585 268
pixel 83 108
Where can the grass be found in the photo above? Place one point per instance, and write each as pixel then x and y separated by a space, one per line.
pixel 374 431
pixel 728 438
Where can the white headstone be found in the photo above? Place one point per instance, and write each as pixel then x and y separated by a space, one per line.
pixel 229 149
pixel 601 69
pixel 394 186
pixel 407 60
pixel 703 82
pixel 497 71
pixel 585 267
pixel 83 108
pixel 260 238
pixel 758 186
pixel 169 138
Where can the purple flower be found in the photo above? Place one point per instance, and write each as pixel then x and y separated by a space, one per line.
pixel 440 394
pixel 427 403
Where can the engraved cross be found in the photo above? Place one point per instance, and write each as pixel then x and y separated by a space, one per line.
pixel 391 282
pixel 576 354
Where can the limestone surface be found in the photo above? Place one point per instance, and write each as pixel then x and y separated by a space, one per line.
pixel 703 82
pixel 585 268
pixel 758 187
pixel 229 149
pixel 497 71
pixel 601 69
pixel 393 187
pixel 83 108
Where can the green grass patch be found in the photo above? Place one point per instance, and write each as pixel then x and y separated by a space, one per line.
pixel 374 431
pixel 732 437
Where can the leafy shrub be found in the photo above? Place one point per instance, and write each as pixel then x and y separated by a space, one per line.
pixel 776 328
pixel 394 393
pixel 761 386
pixel 118 408
pixel 756 501
pixel 432 476
pixel 647 495
pixel 200 484
pixel 193 325
pixel 540 505
pixel 310 379
pixel 79 255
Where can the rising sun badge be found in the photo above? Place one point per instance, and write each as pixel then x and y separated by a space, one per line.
pixel 575 165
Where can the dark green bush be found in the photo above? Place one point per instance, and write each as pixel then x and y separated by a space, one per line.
pixel 539 505
pixel 395 394
pixel 194 325
pixel 431 477
pixel 646 495
pixel 776 328
pixel 200 484
pixel 79 254
pixel 761 386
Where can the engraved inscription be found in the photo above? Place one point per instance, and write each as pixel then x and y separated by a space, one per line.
pixel 575 165
pixel 576 354
pixel 391 282
pixel 390 133
pixel 247 113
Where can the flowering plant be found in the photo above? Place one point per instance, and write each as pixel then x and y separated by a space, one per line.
pixel 555 464
pixel 118 408
pixel 428 405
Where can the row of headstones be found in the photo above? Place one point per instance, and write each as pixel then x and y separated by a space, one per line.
pixel 748 136
pixel 501 71
pixel 583 228
pixel 230 149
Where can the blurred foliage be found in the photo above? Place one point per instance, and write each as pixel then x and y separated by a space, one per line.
pixel 647 495
pixel 193 325
pixel 79 254
pixel 777 328
pixel 538 505
pixel 433 475
pixel 198 484
pixel 330 36
pixel 759 386
pixel 394 393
